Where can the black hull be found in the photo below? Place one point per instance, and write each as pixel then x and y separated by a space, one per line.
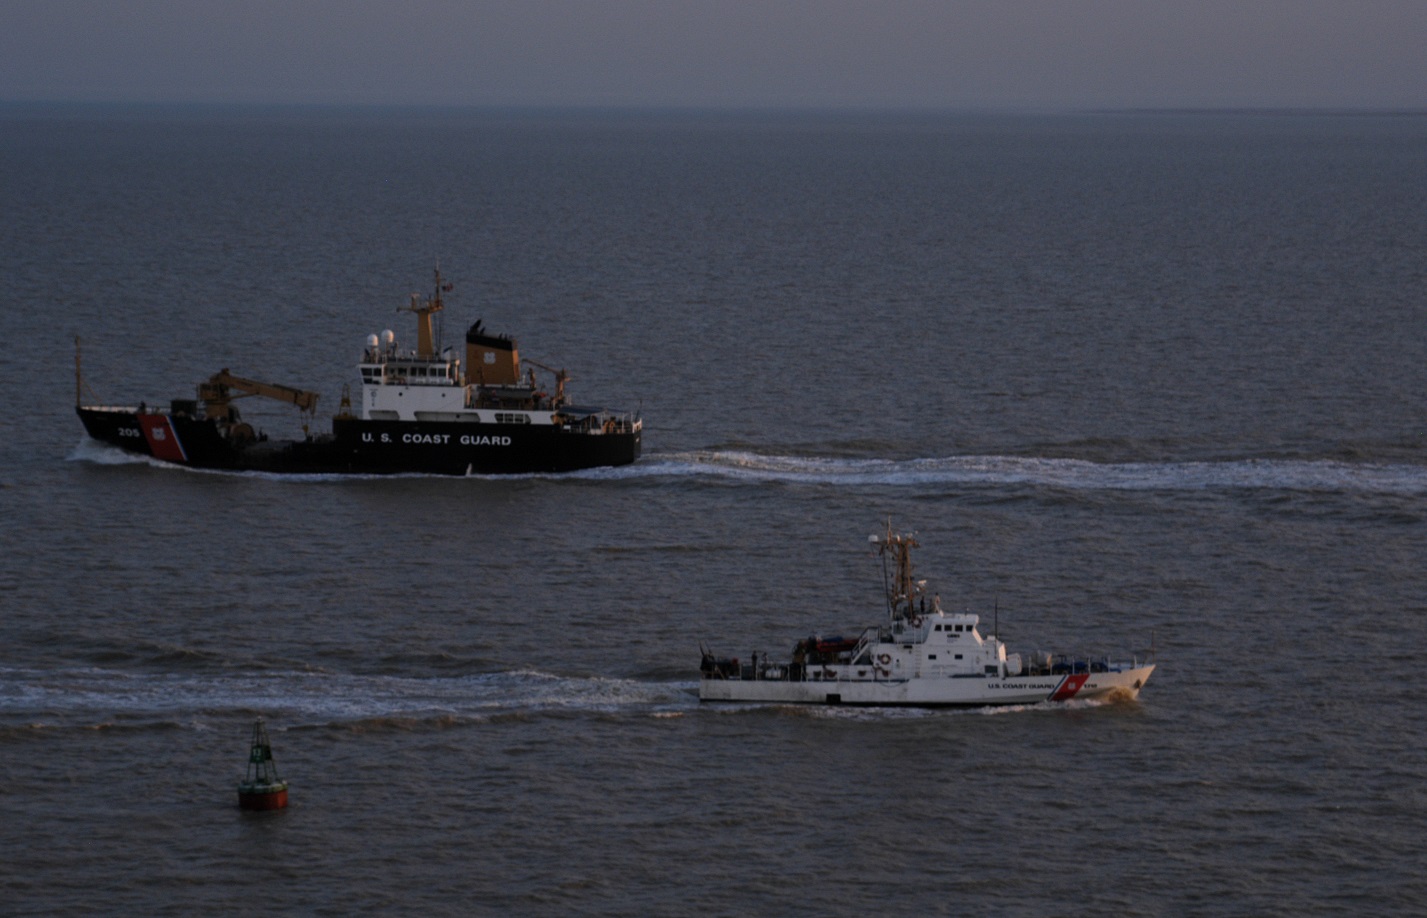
pixel 364 447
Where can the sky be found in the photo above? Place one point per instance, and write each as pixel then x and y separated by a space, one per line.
pixel 765 54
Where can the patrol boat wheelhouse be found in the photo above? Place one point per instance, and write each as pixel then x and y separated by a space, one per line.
pixel 420 411
pixel 921 657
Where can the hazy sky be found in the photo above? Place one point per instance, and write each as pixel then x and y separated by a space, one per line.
pixel 764 53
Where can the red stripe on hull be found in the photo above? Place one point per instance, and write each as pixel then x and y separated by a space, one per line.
pixel 1069 687
pixel 163 442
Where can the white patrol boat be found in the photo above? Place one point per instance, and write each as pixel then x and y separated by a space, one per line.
pixel 922 657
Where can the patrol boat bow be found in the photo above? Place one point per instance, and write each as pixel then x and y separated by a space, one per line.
pixel 922 657
pixel 420 411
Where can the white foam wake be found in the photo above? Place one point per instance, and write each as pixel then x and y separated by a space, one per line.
pixel 1308 475
pixel 66 695
pixel 1076 474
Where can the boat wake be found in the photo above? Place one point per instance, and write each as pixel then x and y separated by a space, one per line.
pixel 113 699
pixel 1321 475
pixel 1302 475
pixel 89 450
pixel 91 698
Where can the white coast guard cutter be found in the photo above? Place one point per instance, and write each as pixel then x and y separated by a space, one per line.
pixel 921 657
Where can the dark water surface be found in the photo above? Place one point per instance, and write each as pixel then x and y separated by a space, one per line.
pixel 1132 378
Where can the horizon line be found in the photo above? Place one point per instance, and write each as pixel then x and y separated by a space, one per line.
pixel 715 108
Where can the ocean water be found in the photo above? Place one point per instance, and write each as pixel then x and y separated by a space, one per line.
pixel 1150 380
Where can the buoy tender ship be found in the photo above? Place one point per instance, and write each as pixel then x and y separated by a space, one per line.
pixel 421 411
pixel 922 657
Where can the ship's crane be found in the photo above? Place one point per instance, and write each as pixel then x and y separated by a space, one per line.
pixel 561 377
pixel 217 397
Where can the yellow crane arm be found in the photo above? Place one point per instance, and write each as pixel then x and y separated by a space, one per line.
pixel 215 391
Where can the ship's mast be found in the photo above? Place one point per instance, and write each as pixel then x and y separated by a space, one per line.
pixel 79 384
pixel 902 589
pixel 425 336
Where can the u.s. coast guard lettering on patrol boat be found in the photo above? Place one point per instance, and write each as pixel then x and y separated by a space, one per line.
pixel 921 657
pixel 422 410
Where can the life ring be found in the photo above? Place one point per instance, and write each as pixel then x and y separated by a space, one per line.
pixel 884 658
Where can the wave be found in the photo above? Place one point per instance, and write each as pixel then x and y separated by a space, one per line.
pixel 104 699
pixel 88 450
pixel 71 696
pixel 1002 471
pixel 1310 475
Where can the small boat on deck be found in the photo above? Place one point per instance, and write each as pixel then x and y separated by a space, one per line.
pixel 921 656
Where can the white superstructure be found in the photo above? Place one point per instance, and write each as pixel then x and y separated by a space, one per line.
pixel 403 386
pixel 922 656
pixel 429 383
